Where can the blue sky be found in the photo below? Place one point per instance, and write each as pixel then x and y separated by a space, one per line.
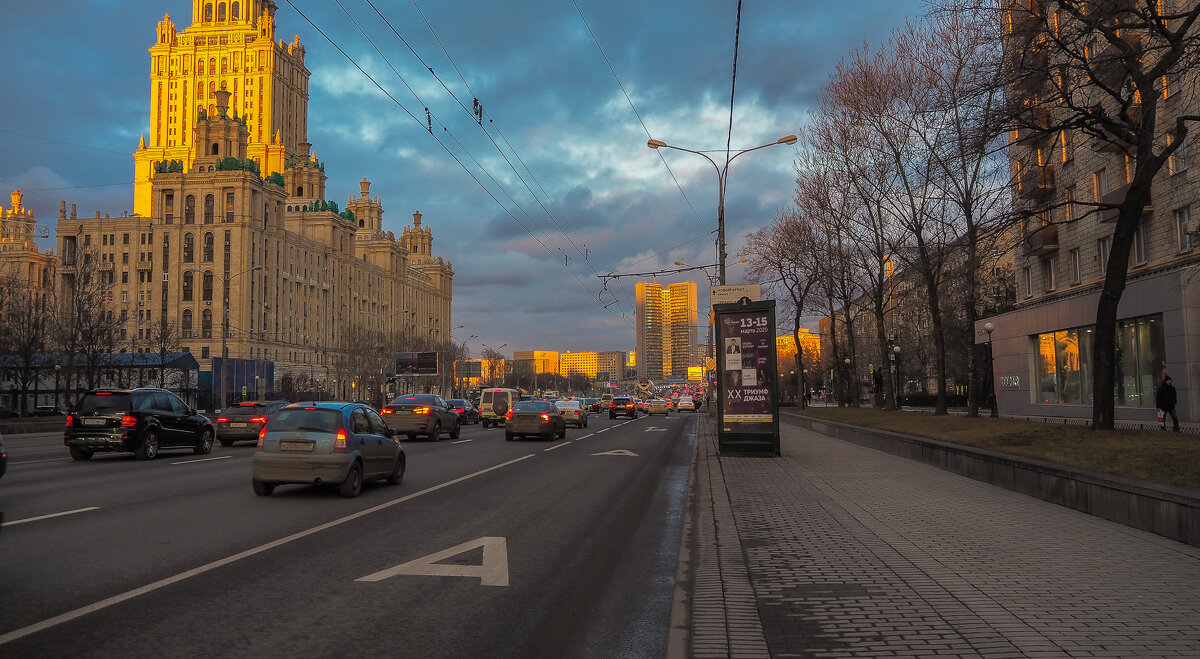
pixel 76 73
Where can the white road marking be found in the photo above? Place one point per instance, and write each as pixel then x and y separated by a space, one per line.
pixel 600 431
pixel 40 517
pixel 462 441
pixel 493 572
pixel 554 447
pixel 619 451
pixel 29 462
pixel 208 567
pixel 655 429
pixel 585 436
pixel 188 462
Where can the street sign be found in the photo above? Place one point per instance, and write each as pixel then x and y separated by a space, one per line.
pixel 731 294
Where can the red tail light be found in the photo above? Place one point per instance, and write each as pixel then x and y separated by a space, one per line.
pixel 339 442
pixel 261 434
pixel 421 410
pixel 460 410
pixel 386 410
pixel 222 419
pixel 545 417
pixel 70 420
pixel 259 419
pixel 128 421
pixel 508 417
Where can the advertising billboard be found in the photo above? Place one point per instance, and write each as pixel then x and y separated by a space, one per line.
pixel 416 363
pixel 748 411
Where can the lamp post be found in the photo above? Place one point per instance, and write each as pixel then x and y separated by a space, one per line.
pixel 461 350
pixel 722 175
pixel 225 326
pixel 804 386
pixel 991 380
pixel 57 370
pixel 896 369
pixel 849 393
pixel 491 369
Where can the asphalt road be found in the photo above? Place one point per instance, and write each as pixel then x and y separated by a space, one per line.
pixel 488 548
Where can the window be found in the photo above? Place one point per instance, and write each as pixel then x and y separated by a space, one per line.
pixel 124 277
pixel 1102 248
pixel 169 207
pixel 203 352
pixel 221 12
pixel 125 239
pixel 189 210
pixel 1183 227
pixel 188 248
pixel 228 206
pixel 1074 264
pixel 1048 274
pixel 208 248
pixel 1028 276
pixel 1139 246
pixel 186 323
pixel 209 203
pixel 206 324
pixel 1069 203
pixel 1178 162
pixel 125 258
pixel 1099 185
pixel 208 12
pixel 208 286
pixel 187 286
pixel 1067 145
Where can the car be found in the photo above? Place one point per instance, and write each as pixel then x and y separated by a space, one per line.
pixel 592 404
pixel 686 403
pixel 49 410
pixel 605 401
pixel 467 413
pixel 658 406
pixel 574 413
pixel 140 421
pixel 495 405
pixel 623 406
pixel 421 414
pixel 244 420
pixel 326 443
pixel 534 417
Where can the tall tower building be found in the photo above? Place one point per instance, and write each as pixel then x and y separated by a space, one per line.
pixel 666 329
pixel 231 47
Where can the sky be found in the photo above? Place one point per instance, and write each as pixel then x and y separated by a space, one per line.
pixel 555 188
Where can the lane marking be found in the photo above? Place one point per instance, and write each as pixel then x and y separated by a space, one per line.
pixel 188 462
pixel 29 462
pixel 41 517
pixel 600 431
pixel 462 441
pixel 208 567
pixel 619 451
pixel 493 571
pixel 554 447
pixel 584 437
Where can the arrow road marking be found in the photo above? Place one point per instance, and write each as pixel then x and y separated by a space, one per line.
pixel 619 451
pixel 493 572
pixel 655 429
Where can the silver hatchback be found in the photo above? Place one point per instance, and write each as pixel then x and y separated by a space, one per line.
pixel 326 443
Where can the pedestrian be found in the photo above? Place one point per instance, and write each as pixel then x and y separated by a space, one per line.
pixel 1165 401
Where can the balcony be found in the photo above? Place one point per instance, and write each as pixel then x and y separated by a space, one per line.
pixel 1109 65
pixel 1042 240
pixel 1116 197
pixel 1037 183
pixel 1031 69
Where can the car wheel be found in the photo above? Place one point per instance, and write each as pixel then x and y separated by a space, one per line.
pixel 485 423
pixel 149 447
pixel 563 433
pixel 397 474
pixel 206 443
pixel 352 486
pixel 262 488
pixel 80 453
pixel 508 436
pixel 612 416
pixel 411 436
pixel 457 430
pixel 226 442
pixel 436 433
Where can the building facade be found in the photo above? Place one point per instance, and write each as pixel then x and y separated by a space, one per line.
pixel 234 243
pixel 594 365
pixel 666 329
pixel 1062 180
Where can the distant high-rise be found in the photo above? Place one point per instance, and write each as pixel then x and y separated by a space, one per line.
pixel 666 329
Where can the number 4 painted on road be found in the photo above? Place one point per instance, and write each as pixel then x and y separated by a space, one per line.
pixel 493 572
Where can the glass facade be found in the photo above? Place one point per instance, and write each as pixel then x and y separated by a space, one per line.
pixel 1063 365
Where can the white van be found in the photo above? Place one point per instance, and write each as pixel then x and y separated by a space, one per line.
pixel 495 403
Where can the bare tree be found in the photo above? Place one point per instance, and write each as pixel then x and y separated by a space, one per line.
pixel 23 322
pixel 85 326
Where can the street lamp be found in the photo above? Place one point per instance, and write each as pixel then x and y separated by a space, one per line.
pixel 896 368
pixel 225 327
pixel 722 175
pixel 804 385
pixel 57 370
pixel 849 394
pixel 989 328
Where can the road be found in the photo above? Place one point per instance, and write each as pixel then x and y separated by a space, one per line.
pixel 488 548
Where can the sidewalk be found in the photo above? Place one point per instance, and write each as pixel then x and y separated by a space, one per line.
pixel 835 550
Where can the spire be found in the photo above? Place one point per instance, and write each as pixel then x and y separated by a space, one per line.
pixel 142 146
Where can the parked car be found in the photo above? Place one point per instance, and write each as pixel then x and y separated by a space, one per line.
pixel 49 410
pixel 534 417
pixel 326 443
pixel 623 406
pixel 495 405
pixel 658 406
pixel 574 413
pixel 421 414
pixel 245 420
pixel 467 412
pixel 141 421
pixel 686 403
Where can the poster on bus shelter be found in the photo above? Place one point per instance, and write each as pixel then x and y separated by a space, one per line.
pixel 747 341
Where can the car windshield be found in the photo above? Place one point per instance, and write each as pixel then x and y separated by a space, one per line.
pixel 457 402
pixel 568 404
pixel 306 418
pixel 417 399
pixel 103 403
pixel 533 406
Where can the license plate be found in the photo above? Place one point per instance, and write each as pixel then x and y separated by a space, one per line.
pixel 93 422
pixel 238 425
pixel 403 411
pixel 306 447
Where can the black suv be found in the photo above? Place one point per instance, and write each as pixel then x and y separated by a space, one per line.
pixel 140 421
pixel 623 406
